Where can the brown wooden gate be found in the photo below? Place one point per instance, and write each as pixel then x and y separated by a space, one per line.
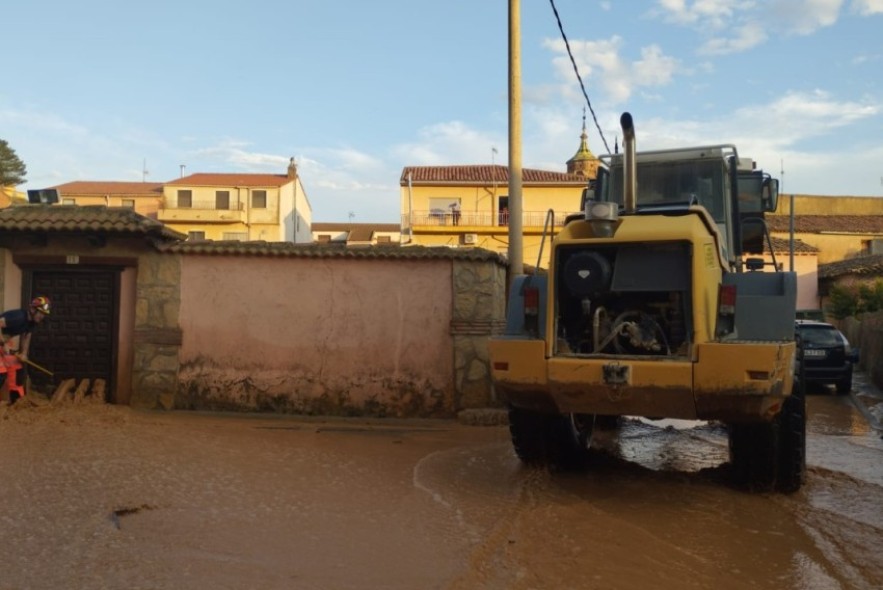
pixel 79 339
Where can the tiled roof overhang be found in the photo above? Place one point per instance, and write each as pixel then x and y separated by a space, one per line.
pixel 861 265
pixel 484 174
pixel 80 219
pixel 287 249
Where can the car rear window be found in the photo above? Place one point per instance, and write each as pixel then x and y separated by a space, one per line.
pixel 820 336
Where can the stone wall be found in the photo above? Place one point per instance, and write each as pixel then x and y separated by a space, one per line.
pixel 479 310
pixel 157 332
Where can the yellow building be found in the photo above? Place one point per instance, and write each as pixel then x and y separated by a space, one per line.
pixel 840 227
pixel 144 197
pixel 269 207
pixel 468 206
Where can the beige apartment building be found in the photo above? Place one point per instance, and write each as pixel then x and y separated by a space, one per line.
pixel 145 198
pixel 268 207
pixel 223 206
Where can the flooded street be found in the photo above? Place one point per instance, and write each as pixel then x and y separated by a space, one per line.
pixel 107 497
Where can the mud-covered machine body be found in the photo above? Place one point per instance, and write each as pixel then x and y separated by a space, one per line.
pixel 651 308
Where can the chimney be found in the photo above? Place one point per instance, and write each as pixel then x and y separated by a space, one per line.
pixel 292 170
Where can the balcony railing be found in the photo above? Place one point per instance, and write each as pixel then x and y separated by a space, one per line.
pixel 207 206
pixel 479 219
pixel 203 211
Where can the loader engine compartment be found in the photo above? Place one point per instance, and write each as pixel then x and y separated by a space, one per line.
pixel 623 299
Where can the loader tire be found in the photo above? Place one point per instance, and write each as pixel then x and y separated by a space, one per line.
pixel 569 440
pixel 528 430
pixel 753 455
pixel 792 439
pixel 559 441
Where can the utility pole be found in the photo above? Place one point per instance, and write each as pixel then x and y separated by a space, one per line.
pixel 516 247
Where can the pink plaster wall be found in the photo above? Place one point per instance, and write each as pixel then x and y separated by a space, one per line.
pixel 316 335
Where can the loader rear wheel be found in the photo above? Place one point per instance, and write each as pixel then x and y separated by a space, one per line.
pixel 569 440
pixel 559 440
pixel 528 432
pixel 753 456
pixel 772 456
pixel 792 438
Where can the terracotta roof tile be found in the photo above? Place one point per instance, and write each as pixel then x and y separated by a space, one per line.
pixel 781 245
pixel 244 179
pixel 483 174
pixel 287 249
pixel 101 188
pixel 75 218
pixel 865 224
pixel 861 265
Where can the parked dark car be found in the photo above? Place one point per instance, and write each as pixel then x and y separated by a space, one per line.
pixel 811 314
pixel 828 358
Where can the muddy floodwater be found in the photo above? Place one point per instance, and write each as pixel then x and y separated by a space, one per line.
pixel 107 497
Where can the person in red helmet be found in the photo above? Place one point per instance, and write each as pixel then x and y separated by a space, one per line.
pixel 21 323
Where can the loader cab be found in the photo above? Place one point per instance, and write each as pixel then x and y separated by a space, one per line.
pixel 670 182
pixel 758 193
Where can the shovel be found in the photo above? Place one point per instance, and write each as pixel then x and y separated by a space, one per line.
pixel 36 366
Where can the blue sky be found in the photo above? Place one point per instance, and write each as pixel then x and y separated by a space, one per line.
pixel 355 91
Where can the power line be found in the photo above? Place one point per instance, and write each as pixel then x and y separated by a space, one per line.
pixel 578 77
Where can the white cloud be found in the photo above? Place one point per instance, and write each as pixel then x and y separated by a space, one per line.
pixel 806 16
pixel 867 7
pixel 743 37
pixel 654 68
pixel 802 114
pixel 35 121
pixel 600 60
pixel 451 142
pixel 715 14
pixel 232 152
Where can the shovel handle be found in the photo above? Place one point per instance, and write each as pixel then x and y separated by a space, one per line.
pixel 36 366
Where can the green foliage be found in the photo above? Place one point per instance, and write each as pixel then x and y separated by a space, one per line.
pixel 12 170
pixel 852 301
pixel 842 302
pixel 871 297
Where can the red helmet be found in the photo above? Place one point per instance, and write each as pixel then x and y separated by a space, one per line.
pixel 40 304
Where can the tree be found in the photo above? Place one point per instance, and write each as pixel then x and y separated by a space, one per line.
pixel 853 300
pixel 842 302
pixel 12 169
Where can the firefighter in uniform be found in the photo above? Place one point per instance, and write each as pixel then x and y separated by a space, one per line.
pixel 21 323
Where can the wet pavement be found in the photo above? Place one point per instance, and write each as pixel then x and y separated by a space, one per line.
pixel 107 497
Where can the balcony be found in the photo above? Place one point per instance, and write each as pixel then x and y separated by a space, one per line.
pixel 433 219
pixel 203 212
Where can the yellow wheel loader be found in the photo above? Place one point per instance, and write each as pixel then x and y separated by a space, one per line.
pixel 651 308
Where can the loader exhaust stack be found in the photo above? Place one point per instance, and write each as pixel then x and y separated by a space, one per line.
pixel 630 166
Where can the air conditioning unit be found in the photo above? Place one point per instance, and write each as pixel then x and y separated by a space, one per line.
pixel 470 239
